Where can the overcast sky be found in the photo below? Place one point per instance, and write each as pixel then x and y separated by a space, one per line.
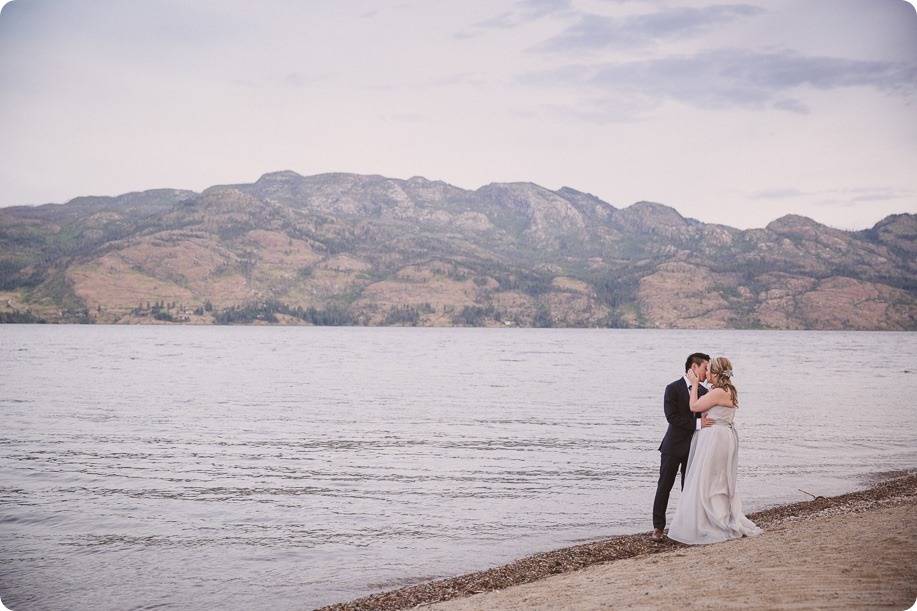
pixel 734 113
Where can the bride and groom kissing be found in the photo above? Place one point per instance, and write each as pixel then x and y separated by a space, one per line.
pixel 702 443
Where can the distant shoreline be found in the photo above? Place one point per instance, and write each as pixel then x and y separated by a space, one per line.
pixel 280 325
pixel 546 575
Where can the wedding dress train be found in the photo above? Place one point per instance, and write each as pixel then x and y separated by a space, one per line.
pixel 709 510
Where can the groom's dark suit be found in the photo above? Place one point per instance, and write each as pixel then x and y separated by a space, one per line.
pixel 676 444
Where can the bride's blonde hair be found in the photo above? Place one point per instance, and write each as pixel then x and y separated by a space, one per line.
pixel 722 367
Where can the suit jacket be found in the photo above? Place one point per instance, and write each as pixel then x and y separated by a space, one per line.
pixel 682 421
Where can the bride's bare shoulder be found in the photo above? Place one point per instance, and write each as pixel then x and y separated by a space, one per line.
pixel 721 394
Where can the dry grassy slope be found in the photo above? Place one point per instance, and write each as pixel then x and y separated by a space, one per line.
pixel 512 253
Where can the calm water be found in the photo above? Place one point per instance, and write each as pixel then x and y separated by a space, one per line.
pixel 195 467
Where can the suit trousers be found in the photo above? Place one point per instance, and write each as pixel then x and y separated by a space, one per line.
pixel 668 470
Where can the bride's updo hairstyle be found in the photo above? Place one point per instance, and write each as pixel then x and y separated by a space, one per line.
pixel 722 367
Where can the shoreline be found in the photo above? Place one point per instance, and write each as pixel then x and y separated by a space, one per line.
pixel 48 323
pixel 888 491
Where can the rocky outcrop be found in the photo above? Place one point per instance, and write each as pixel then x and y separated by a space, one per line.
pixel 354 249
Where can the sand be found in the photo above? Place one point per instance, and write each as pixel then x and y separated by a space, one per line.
pixel 858 561
pixel 854 551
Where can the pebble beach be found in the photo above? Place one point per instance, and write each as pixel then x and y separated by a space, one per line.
pixel 853 551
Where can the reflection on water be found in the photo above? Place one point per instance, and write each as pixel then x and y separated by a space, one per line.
pixel 190 467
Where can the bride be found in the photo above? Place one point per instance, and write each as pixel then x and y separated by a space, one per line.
pixel 709 510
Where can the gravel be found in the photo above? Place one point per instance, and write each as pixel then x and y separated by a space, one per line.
pixel 889 489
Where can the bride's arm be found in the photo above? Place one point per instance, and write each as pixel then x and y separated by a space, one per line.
pixel 713 397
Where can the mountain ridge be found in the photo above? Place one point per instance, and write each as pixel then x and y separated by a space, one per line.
pixel 562 191
pixel 367 249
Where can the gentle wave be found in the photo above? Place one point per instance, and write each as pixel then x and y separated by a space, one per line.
pixel 146 467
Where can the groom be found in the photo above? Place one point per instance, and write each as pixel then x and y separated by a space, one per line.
pixel 677 441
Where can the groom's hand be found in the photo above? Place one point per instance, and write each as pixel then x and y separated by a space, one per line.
pixel 705 421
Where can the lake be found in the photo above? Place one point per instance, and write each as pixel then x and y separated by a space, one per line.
pixel 290 467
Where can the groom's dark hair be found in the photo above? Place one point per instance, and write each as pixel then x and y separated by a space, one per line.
pixel 696 359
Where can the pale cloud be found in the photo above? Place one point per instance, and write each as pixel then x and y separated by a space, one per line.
pixel 522 12
pixel 791 105
pixel 709 104
pixel 835 197
pixel 724 78
pixel 404 117
pixel 299 80
pixel 593 31
pixel 778 193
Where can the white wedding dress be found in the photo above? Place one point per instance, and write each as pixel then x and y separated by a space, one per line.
pixel 709 510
